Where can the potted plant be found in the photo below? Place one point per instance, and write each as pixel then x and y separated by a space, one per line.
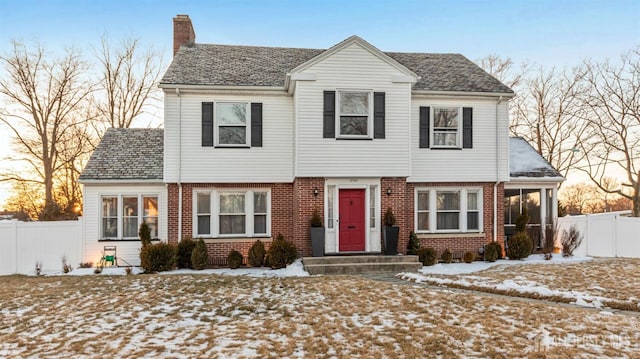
pixel 390 233
pixel 317 234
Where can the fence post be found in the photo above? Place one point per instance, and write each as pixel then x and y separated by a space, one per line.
pixel 15 243
pixel 615 235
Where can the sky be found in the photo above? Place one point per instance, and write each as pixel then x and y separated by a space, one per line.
pixel 550 33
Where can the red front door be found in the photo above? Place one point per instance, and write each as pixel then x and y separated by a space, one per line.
pixel 351 223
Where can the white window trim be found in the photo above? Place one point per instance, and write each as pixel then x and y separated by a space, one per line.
pixel 369 115
pixel 216 125
pixel 215 212
pixel 120 221
pixel 432 127
pixel 462 213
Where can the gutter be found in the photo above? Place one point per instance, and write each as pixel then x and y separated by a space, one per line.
pixel 179 165
pixel 500 95
pixel 495 185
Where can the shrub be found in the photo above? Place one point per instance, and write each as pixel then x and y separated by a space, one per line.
pixel 158 257
pixel 256 254
pixel 520 246
pixel 446 256
pixel 128 270
pixel 427 256
pixel 494 246
pixel 281 253
pixel 414 244
pixel 522 220
pixel 86 265
pixel 38 268
pixel 491 252
pixel 98 270
pixel 185 248
pixel 316 220
pixel 571 240
pixel 199 256
pixel 389 218
pixel 234 259
pixel 468 257
pixel 145 234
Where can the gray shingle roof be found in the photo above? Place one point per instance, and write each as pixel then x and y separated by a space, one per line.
pixel 127 154
pixel 525 161
pixel 230 65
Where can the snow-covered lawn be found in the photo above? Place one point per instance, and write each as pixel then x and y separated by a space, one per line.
pixel 599 282
pixel 211 315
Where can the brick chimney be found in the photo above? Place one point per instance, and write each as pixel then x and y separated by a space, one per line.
pixel 183 33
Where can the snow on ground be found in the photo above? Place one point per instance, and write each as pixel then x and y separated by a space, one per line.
pixel 477 266
pixel 295 269
pixel 522 278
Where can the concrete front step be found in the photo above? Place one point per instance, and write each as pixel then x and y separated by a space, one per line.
pixel 360 264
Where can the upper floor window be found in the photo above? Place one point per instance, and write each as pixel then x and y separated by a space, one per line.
pixel 231 122
pixel 354 114
pixel 446 127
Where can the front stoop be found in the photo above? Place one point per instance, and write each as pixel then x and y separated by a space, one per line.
pixel 360 264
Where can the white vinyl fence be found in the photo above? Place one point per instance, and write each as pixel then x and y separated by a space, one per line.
pixel 605 234
pixel 23 244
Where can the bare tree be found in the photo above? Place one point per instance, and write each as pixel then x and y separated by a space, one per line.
pixel 128 83
pixel 613 138
pixel 550 117
pixel 504 70
pixel 580 198
pixel 44 98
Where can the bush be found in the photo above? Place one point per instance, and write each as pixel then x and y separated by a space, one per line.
pixel 427 256
pixel 413 245
pixel 493 246
pixel 66 268
pixel 281 253
pixel 256 254
pixel 316 220
pixel 520 246
pixel 491 252
pixel 389 218
pixel 468 257
pixel 145 234
pixel 234 260
pixel 522 220
pixel 571 240
pixel 86 265
pixel 199 256
pixel 446 256
pixel 185 248
pixel 158 257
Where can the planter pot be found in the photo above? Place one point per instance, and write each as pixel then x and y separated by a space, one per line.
pixel 317 241
pixel 390 237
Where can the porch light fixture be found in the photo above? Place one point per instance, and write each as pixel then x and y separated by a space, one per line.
pixel 388 191
pixel 315 192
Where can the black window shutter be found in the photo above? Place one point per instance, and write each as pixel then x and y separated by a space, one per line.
pixel 207 124
pixel 378 114
pixel 329 118
pixel 467 127
pixel 425 119
pixel 256 125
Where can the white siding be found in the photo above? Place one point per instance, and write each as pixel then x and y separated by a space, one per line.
pixel 127 250
pixel 477 164
pixel 273 162
pixel 352 68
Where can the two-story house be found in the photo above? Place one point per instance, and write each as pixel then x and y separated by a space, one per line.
pixel 257 138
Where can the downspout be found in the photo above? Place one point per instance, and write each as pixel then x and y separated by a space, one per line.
pixel 495 185
pixel 179 165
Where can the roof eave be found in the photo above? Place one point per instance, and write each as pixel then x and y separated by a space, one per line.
pixel 220 87
pixel 121 181
pixel 462 93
